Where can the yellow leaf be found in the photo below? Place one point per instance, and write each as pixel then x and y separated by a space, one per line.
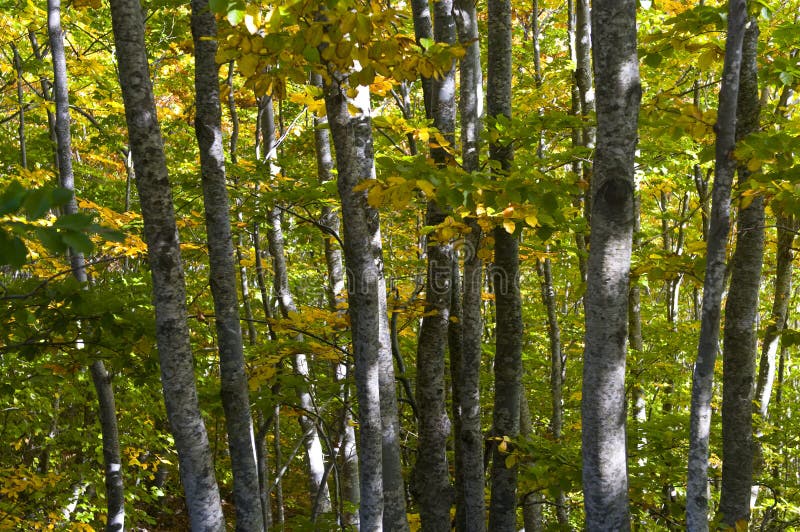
pixel 746 200
pixel 754 165
pixel 511 461
pixel 509 226
pixel 502 446
pixel 532 220
pixel 248 65
pixel 375 197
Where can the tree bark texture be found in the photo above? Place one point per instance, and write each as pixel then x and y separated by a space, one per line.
pixel 605 471
pixel 334 260
pixel 787 228
pixel 382 492
pixel 505 278
pixel 233 377
pixel 115 493
pixel 713 284
pixel 432 480
pixel 169 291
pixel 471 504
pixel 316 462
pixel 741 311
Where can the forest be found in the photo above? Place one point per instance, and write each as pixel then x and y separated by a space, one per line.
pixel 399 265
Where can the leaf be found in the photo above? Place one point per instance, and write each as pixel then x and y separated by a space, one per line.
pixel 12 197
pixel 509 226
pixel 12 250
pixel 511 461
pixel 78 241
pixel 218 6
pixel 248 65
pixel 235 16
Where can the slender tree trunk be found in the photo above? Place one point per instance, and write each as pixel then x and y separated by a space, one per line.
pixel 432 481
pixel 23 144
pixel 470 497
pixel 329 218
pixel 719 226
pixel 316 462
pixel 584 81
pixel 741 310
pixel 381 481
pixel 505 277
pixel 234 390
pixel 531 502
pixel 787 228
pixel 605 471
pixel 556 372
pixel 115 495
pixel 169 291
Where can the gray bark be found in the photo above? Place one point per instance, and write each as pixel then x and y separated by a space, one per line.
pixel 532 503
pixel 605 471
pixel 432 481
pixel 233 377
pixel 23 145
pixel 719 226
pixel 423 29
pixel 741 311
pixel 470 498
pixel 329 218
pixel 780 306
pixel 169 291
pixel 316 462
pixel 505 278
pixel 381 481
pixel 115 494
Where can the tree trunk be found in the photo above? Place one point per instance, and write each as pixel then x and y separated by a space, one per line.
pixel 115 495
pixel 605 472
pixel 471 504
pixel 382 491
pixel 316 462
pixel 719 226
pixel 741 310
pixel 348 454
pixel 787 228
pixel 233 377
pixel 505 277
pixel 532 503
pixel 169 291
pixel 432 480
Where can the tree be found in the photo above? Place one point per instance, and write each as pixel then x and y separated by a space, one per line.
pixel 169 292
pixel 741 308
pixel 382 500
pixel 605 473
pixel 101 378
pixel 719 225
pixel 235 396
pixel 505 279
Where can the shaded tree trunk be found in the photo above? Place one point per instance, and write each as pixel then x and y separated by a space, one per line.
pixel 169 291
pixel 470 498
pixel 741 310
pixel 432 480
pixel 329 218
pixel 505 278
pixel 115 495
pixel 316 462
pixel 713 284
pixel 233 377
pixel 605 471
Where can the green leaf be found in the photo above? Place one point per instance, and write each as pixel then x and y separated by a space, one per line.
pixel 218 6
pixel 12 250
pixel 75 222
pixel 235 16
pixel 37 203
pixel 79 242
pixel 12 198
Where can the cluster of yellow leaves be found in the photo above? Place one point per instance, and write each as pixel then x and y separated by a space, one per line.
pixel 134 455
pixel 16 481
